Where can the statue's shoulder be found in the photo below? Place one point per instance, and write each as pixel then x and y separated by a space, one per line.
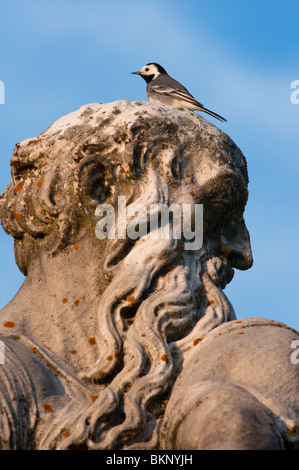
pixel 249 361
pixel 36 388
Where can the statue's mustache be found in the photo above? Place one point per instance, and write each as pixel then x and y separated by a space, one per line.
pixel 220 271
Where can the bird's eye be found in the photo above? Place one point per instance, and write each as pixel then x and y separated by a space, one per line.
pixel 147 69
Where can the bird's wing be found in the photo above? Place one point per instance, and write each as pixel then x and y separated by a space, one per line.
pixel 176 93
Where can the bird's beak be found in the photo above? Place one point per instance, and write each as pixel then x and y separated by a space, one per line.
pixel 136 73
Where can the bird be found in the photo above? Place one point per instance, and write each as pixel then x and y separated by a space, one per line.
pixel 163 89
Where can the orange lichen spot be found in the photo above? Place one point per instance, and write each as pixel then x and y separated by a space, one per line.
pixel 47 347
pixel 131 298
pixel 164 403
pixel 215 281
pixel 292 431
pixel 92 341
pixel 48 408
pixel 17 216
pixel 143 335
pixel 109 358
pixel 210 302
pixel 161 331
pixel 132 357
pixel 40 182
pixel 64 300
pixel 9 324
pixel 64 432
pixel 101 372
pixel 188 175
pixel 239 321
pixel 94 397
pixel 116 353
pixel 34 349
pixel 73 351
pixel 77 302
pixel 164 358
pixel 241 333
pixel 18 187
pixel 225 250
pixel 75 247
pixel 196 341
pixel 128 189
pixel 192 193
pixel 294 339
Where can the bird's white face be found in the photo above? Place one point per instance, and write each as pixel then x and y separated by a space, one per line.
pixel 150 70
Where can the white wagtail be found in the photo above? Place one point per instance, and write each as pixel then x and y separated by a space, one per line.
pixel 161 88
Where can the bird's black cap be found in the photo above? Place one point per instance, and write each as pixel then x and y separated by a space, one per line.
pixel 159 67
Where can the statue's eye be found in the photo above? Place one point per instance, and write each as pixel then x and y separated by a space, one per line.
pixel 147 69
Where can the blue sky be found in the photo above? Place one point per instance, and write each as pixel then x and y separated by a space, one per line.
pixel 238 58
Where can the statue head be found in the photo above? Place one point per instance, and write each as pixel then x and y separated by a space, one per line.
pixel 161 299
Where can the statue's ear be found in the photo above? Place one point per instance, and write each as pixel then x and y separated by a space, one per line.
pixel 95 181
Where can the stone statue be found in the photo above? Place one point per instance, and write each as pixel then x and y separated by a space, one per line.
pixel 130 343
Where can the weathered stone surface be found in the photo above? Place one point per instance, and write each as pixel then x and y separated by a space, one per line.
pixel 122 343
pixel 242 390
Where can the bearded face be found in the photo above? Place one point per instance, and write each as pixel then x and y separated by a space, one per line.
pixel 162 298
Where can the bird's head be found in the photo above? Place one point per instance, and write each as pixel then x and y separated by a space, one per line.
pixel 150 71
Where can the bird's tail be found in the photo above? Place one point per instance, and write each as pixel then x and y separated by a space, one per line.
pixel 217 116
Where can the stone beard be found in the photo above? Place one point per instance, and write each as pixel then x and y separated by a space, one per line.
pixel 148 303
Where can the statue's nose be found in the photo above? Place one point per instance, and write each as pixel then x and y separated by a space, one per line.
pixel 235 245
